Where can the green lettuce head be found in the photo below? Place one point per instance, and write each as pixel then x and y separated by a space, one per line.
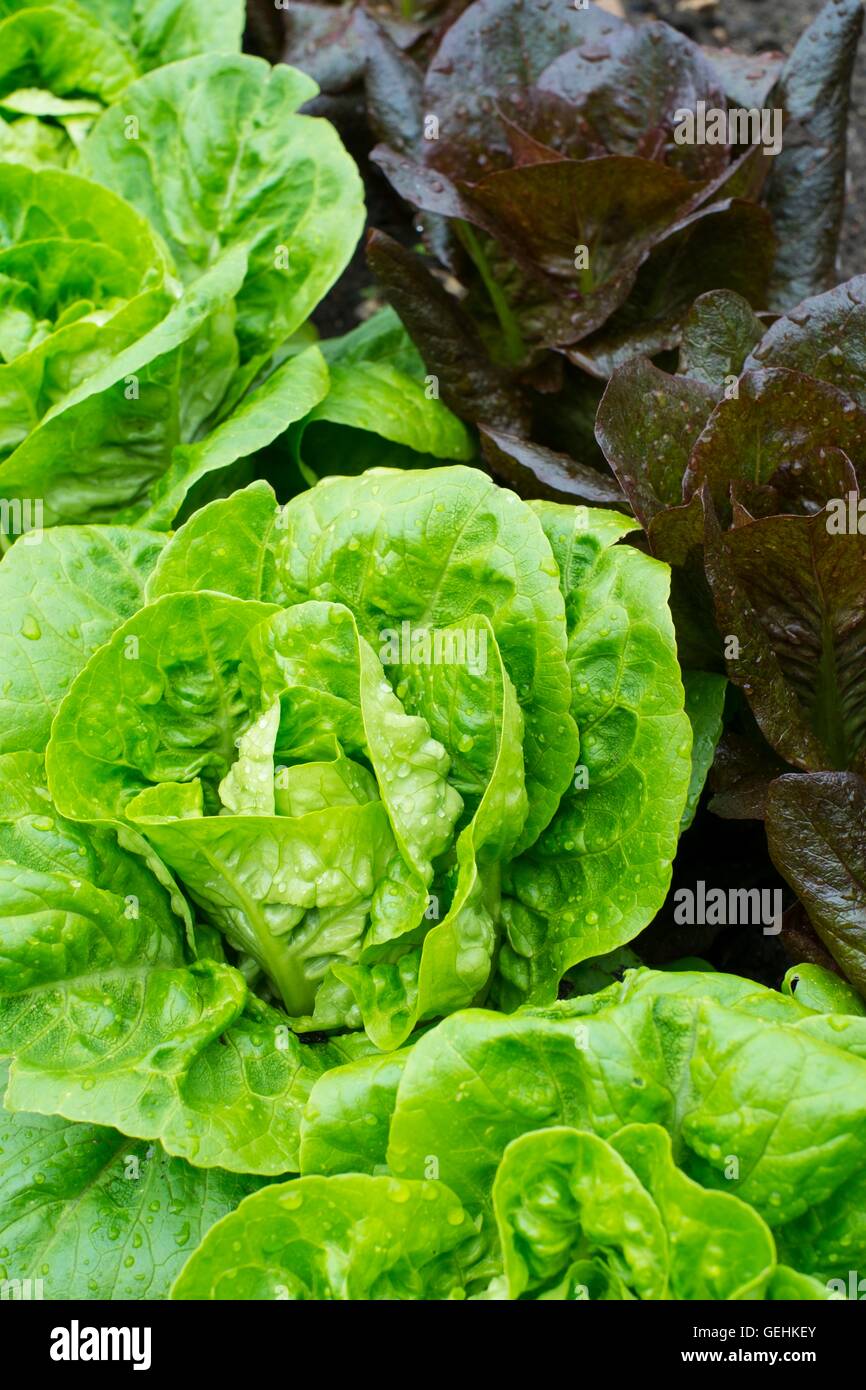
pixel 409 743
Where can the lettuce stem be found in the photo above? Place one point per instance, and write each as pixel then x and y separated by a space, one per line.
pixel 514 344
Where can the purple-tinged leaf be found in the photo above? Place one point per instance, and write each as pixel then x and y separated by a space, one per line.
pixel 617 205
pixel 422 187
pixel 728 246
pixel 676 531
pixel 746 81
pixel 827 475
pixel 794 594
pixel 493 46
pixel 541 126
pixel 718 334
pixel 825 337
pixel 470 384
pixel 816 828
pixel 646 426
pixel 754 665
pixel 322 40
pixel 393 83
pixel 631 87
pixel 742 773
pixel 807 186
pixel 533 471
pixel 778 422
pixel 803 946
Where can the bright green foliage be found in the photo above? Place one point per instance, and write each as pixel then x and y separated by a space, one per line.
pixel 681 1136
pixel 93 1214
pixel 351 730
pixel 397 1240
pixel 107 1016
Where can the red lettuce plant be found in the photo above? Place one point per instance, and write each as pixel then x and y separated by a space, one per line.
pixel 746 469
pixel 541 151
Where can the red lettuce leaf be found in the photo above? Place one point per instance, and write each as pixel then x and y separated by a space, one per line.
pixel 824 337
pixel 807 186
pixel 534 471
pixel 815 828
pixel 794 595
pixel 470 384
pixel 646 425
pixel 719 332
pixel 777 424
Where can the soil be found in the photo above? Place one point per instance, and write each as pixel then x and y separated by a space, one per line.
pixel 753 26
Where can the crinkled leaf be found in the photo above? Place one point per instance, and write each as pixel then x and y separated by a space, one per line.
pixel 725 1066
pixel 105 1019
pixel 84 275
pixel 97 452
pixel 561 1195
pixel 739 1260
pixel 616 206
pixel 487 766
pixel 391 563
pixel 397 1240
pixel 346 1122
pixel 601 869
pixel 159 703
pixel 89 1214
pixel 631 85
pixel 646 425
pixel 824 337
pixel 719 333
pixel 236 167
pixel 775 425
pixel 192 561
pixel 62 51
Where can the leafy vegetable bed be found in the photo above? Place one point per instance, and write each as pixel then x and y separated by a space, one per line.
pixel 373 707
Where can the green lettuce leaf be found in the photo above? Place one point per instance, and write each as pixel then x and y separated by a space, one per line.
pixel 345 726
pixel 86 1213
pixel 347 1118
pixel 152 1042
pixel 705 702
pixel 604 862
pixel 236 168
pixel 397 1240
pixel 562 1196
pixel 60 599
pixel 378 383
pixel 432 561
pixel 762 1099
